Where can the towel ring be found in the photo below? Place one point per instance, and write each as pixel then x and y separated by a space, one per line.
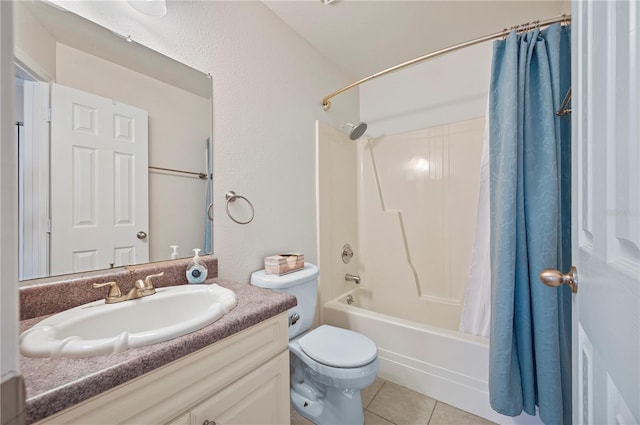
pixel 231 197
pixel 209 212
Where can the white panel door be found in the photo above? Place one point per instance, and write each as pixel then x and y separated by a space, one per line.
pixel 606 212
pixel 99 182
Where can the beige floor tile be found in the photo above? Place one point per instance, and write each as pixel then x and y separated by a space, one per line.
pixel 373 419
pixel 444 414
pixel 369 419
pixel 401 405
pixel 368 393
pixel 298 419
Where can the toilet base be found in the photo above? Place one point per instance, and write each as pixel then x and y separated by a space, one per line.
pixel 336 407
pixel 328 395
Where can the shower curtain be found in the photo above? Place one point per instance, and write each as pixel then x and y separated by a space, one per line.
pixel 476 310
pixel 530 344
pixel 206 246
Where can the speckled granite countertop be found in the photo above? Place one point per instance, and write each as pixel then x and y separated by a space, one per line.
pixel 56 384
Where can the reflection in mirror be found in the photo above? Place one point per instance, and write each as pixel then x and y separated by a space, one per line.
pixel 114 147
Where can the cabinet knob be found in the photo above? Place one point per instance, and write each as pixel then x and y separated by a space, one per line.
pixel 208 422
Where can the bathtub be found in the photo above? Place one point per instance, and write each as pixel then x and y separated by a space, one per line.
pixel 446 365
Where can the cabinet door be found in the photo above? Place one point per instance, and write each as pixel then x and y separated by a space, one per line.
pixel 260 397
pixel 182 420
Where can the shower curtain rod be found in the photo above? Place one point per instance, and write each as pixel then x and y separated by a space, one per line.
pixel 565 19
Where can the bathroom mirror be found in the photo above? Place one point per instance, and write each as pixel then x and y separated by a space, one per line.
pixel 114 147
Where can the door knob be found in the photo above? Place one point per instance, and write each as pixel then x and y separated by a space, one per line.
pixel 553 277
pixel 141 235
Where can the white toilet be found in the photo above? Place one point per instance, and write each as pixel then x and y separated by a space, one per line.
pixel 329 365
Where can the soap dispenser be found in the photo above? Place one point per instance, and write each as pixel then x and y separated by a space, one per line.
pixel 196 270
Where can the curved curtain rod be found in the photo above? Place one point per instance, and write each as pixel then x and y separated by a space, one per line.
pixel 565 19
pixel 563 108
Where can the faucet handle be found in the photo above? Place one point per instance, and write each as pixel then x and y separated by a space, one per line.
pixel 114 289
pixel 147 280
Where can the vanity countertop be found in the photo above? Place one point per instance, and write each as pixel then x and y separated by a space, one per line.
pixel 53 385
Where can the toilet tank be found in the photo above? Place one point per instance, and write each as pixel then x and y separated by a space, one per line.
pixel 303 284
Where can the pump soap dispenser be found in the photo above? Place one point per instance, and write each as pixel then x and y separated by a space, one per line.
pixel 196 270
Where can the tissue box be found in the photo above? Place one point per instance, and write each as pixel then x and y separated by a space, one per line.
pixel 283 263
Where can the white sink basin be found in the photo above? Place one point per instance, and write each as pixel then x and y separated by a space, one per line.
pixel 98 328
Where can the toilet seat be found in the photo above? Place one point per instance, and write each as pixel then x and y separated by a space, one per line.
pixel 339 377
pixel 338 347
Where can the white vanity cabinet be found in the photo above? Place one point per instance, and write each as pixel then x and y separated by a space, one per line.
pixel 254 399
pixel 242 379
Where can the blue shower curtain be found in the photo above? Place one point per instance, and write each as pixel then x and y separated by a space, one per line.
pixel 206 246
pixel 530 343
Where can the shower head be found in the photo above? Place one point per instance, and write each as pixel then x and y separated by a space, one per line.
pixel 357 130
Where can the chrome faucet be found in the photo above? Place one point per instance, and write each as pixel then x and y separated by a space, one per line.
pixel 140 289
pixel 352 278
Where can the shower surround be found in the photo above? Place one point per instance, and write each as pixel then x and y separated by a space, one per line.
pixel 407 204
pixel 417 197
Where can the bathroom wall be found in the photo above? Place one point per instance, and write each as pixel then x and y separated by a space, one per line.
pixel 419 97
pixel 337 210
pixel 35 48
pixel 268 86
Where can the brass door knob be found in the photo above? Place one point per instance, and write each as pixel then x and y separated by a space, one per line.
pixel 553 277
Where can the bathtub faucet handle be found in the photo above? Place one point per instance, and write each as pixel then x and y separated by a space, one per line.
pixel 352 278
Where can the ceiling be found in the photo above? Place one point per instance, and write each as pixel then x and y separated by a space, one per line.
pixel 366 36
pixel 82 34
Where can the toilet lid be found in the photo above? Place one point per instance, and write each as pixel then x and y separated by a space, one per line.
pixel 338 347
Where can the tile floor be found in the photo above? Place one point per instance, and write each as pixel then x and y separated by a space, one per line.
pixel 387 403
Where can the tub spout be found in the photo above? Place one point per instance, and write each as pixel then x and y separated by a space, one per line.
pixel 352 278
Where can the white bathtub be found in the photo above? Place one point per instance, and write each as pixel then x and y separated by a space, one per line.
pixel 446 365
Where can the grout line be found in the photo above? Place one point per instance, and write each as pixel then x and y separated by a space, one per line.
pixel 381 417
pixel 376 394
pixel 432 410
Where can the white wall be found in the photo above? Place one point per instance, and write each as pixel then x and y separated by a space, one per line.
pixel 446 89
pixel 268 86
pixel 35 49
pixel 9 365
pixel 337 185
